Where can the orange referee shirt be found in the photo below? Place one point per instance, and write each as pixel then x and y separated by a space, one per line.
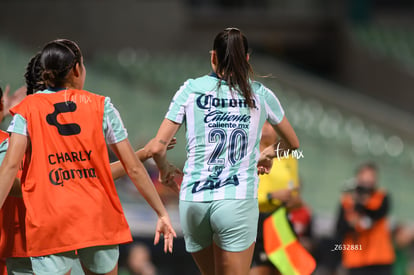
pixel 68 190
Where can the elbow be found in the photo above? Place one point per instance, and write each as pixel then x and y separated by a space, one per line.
pixel 11 166
pixel 134 172
pixel 295 145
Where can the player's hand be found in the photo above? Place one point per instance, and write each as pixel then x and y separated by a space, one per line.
pixel 167 176
pixel 145 152
pixel 165 229
pixel 172 143
pixel 266 160
pixel 12 100
pixel 265 164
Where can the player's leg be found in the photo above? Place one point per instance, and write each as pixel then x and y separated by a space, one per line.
pixel 77 268
pixel 234 223
pixel 19 266
pixel 232 263
pixel 100 259
pixel 58 264
pixel 205 260
pixel 198 235
pixel 88 272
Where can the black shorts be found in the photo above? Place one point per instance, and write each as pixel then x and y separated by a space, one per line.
pixel 259 256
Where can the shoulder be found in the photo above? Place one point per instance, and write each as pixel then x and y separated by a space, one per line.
pixel 89 95
pixel 86 97
pixel 203 83
pixel 201 79
pixel 107 102
pixel 257 86
pixel 269 98
pixel 23 106
pixel 260 89
pixel 188 87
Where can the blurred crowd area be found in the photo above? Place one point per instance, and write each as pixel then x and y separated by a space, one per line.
pixel 343 70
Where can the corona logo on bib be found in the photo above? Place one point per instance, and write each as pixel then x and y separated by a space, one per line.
pixel 59 176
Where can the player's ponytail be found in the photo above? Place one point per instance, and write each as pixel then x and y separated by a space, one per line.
pixel 33 76
pixel 57 59
pixel 231 49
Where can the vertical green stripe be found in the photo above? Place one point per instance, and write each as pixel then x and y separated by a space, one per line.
pixel 229 190
pixel 185 169
pixel 3 149
pixel 199 133
pixel 253 174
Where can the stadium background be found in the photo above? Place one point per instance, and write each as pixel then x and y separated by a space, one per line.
pixel 343 70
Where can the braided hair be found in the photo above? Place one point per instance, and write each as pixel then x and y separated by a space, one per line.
pixel 33 76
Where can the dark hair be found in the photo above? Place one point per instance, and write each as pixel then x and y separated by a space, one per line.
pixel 231 49
pixel 367 166
pixel 57 58
pixel 1 93
pixel 33 76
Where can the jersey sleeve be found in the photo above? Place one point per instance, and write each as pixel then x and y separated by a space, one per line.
pixel 113 127
pixel 20 112
pixel 18 125
pixel 274 109
pixel 176 111
pixel 3 149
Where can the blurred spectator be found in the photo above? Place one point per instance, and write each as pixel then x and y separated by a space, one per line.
pixel 362 226
pixel 139 261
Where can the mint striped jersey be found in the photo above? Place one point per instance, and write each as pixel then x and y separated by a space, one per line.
pixel 223 136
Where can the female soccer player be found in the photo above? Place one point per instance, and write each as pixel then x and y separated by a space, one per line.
pixel 224 113
pixel 12 214
pixel 10 208
pixel 71 201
